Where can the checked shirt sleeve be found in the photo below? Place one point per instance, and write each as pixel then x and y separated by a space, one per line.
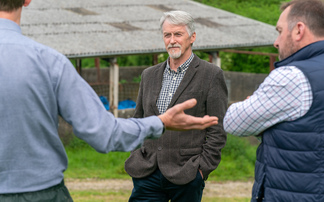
pixel 285 95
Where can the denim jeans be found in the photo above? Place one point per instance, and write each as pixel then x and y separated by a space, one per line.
pixel 156 188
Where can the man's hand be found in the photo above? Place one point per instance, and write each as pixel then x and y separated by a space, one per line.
pixel 175 118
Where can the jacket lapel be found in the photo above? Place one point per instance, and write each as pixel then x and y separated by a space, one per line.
pixel 191 71
pixel 157 85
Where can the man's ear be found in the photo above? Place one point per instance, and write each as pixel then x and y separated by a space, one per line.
pixel 299 31
pixel 27 2
pixel 193 38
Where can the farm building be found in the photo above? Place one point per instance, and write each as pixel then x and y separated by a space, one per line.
pixel 102 29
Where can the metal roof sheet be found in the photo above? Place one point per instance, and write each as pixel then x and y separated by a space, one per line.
pixel 107 28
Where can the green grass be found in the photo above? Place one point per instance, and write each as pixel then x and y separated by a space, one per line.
pixel 85 162
pixel 237 164
pixel 238 158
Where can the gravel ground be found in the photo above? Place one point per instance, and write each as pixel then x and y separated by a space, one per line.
pixel 212 189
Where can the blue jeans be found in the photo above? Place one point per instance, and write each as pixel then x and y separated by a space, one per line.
pixel 156 188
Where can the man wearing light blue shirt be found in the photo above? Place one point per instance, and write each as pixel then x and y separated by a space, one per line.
pixel 38 84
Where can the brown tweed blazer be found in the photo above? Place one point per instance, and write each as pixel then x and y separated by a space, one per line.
pixel 179 154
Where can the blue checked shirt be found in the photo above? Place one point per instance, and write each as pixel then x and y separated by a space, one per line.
pixel 285 95
pixel 170 83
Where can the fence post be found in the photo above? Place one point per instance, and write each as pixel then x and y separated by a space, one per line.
pixel 113 86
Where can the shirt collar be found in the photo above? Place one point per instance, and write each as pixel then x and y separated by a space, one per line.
pixel 9 25
pixel 182 68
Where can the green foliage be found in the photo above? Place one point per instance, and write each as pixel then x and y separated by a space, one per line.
pixel 122 81
pixel 90 62
pixel 162 57
pixel 202 55
pixel 238 159
pixel 135 60
pixel 246 63
pixel 266 11
pixel 137 79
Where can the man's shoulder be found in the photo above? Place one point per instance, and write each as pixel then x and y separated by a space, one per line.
pixel 22 44
pixel 39 48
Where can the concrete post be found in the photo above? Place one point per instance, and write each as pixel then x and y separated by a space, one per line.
pixel 114 86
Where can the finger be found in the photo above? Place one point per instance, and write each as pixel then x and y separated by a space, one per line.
pixel 207 117
pixel 186 104
pixel 202 123
pixel 207 125
pixel 203 120
pixel 200 127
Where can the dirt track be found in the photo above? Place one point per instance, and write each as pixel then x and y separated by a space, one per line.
pixel 212 189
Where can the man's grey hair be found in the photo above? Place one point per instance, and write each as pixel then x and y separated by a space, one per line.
pixel 179 18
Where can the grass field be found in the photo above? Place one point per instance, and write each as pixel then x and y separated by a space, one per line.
pixel 238 158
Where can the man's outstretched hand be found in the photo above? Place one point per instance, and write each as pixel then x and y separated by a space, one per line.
pixel 175 118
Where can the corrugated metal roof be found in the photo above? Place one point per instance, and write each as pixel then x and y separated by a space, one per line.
pixel 106 28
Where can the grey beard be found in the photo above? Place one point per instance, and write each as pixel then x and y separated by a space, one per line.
pixel 175 55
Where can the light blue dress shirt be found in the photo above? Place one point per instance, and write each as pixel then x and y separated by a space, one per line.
pixel 37 84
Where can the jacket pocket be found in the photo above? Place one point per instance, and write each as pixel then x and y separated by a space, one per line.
pixel 190 151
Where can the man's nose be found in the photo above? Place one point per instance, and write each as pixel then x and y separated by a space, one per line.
pixel 276 44
pixel 173 40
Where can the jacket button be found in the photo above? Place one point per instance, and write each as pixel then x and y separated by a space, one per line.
pixel 159 148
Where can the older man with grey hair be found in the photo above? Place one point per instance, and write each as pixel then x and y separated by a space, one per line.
pixel 175 166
